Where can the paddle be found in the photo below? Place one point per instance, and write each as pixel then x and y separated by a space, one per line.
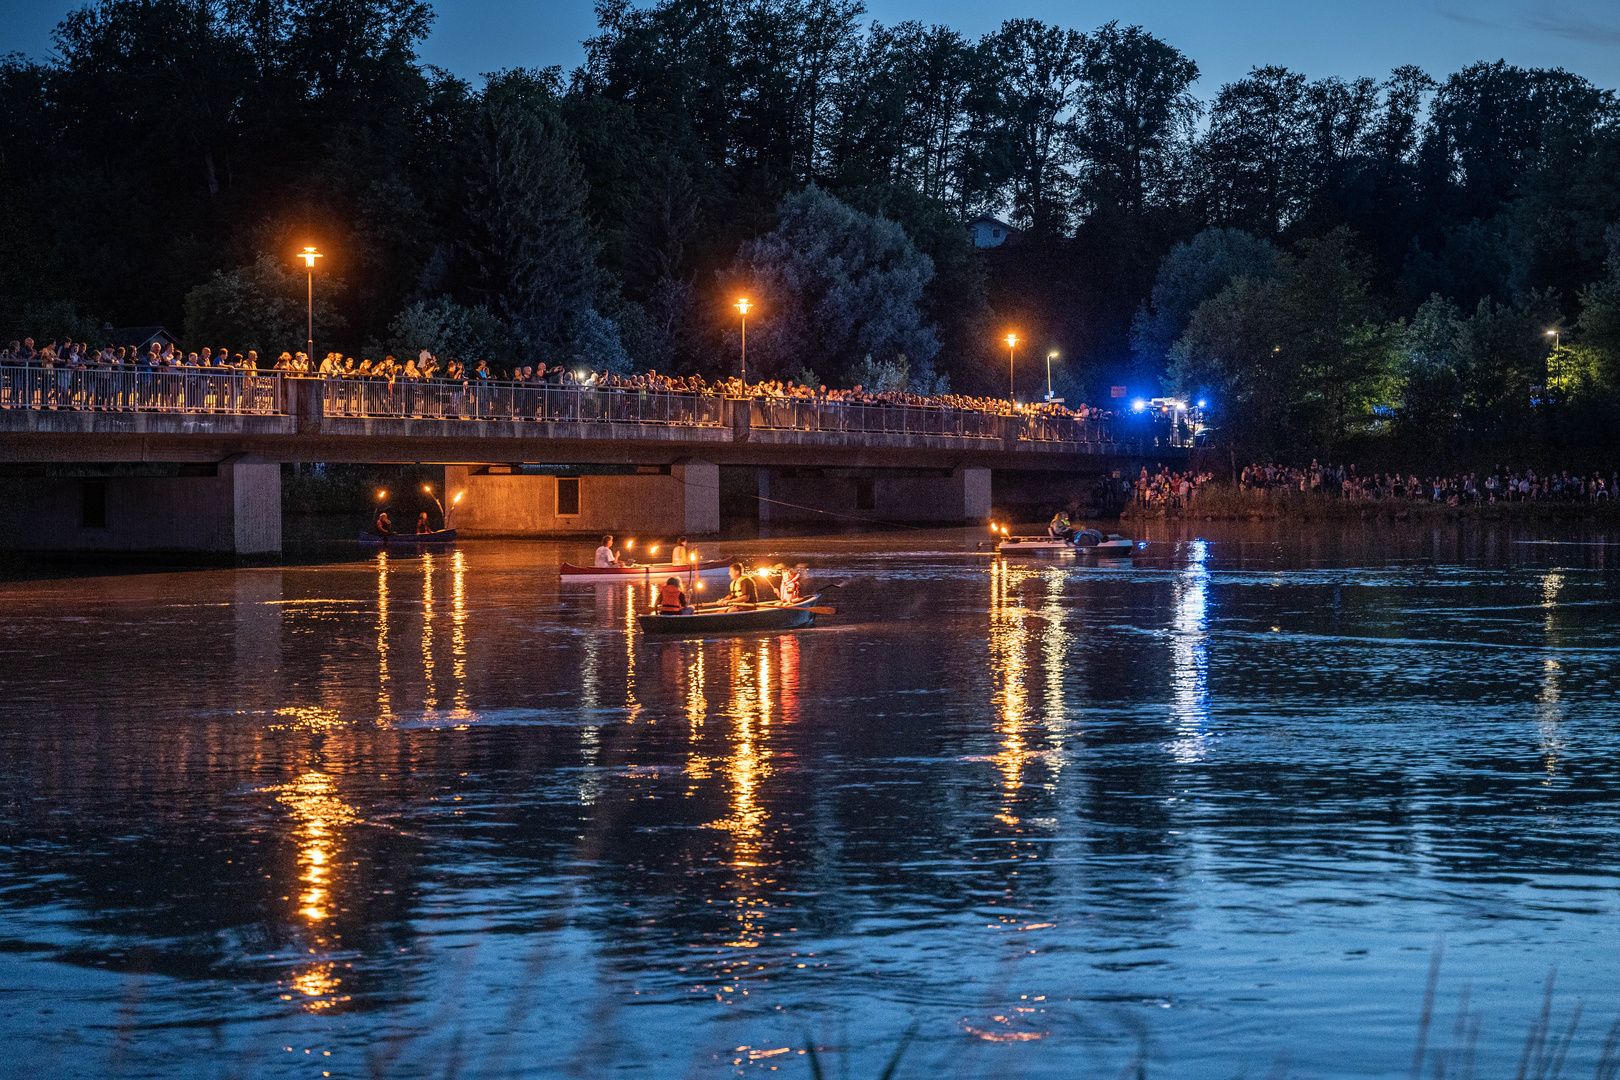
pixel 821 610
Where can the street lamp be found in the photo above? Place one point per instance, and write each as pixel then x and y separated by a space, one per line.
pixel 1555 368
pixel 1012 339
pixel 1051 356
pixel 743 305
pixel 309 255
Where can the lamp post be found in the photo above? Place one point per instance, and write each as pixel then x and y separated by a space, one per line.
pixel 1049 358
pixel 742 305
pixel 309 255
pixel 1012 340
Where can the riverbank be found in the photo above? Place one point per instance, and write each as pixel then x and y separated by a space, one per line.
pixel 1224 502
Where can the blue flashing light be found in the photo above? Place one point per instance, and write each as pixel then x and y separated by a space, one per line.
pixel 1202 403
pixel 1138 405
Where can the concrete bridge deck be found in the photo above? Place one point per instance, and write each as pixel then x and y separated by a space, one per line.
pixel 232 429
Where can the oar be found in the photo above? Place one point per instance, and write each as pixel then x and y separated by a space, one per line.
pixel 821 610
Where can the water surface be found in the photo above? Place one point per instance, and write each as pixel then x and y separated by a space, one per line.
pixel 1213 808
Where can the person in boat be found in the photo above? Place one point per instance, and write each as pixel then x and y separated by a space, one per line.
pixel 384 526
pixel 743 594
pixel 679 555
pixel 671 598
pixel 605 555
pixel 788 590
pixel 1059 528
pixel 422 525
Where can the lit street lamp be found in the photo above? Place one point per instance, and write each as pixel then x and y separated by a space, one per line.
pixel 309 255
pixel 742 305
pixel 1012 339
pixel 1049 358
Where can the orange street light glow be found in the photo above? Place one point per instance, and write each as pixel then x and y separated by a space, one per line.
pixel 743 305
pixel 1012 339
pixel 309 255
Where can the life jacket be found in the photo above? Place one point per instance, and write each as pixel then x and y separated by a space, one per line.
pixel 789 591
pixel 670 599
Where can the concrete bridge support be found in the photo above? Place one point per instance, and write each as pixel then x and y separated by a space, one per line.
pixel 233 508
pixel 933 495
pixel 665 501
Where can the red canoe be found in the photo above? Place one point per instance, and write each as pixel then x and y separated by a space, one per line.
pixel 570 572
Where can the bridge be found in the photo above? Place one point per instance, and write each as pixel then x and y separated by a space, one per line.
pixel 122 459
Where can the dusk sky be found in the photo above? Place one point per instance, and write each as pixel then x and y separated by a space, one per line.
pixel 1226 39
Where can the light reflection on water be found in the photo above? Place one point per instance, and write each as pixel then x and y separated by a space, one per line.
pixel 1047 810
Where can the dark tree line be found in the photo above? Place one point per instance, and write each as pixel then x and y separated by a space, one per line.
pixel 166 162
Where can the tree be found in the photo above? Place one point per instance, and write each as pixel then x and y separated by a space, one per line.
pixel 527 234
pixel 1255 153
pixel 1299 362
pixel 1431 397
pixel 1191 273
pixel 1033 72
pixel 835 285
pixel 1134 111
pixel 261 307
pixel 450 331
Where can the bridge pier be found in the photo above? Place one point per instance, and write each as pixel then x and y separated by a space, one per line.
pixel 830 494
pixel 233 508
pixel 683 498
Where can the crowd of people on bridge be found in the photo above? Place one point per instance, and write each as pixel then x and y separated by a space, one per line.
pixel 426 367
pixel 1502 484
pixel 78 355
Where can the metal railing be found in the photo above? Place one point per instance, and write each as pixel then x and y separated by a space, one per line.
pixel 229 390
pixel 130 389
pixel 483 400
pixel 800 414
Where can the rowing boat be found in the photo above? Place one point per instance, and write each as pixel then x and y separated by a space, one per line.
pixel 443 536
pixel 777 616
pixel 633 574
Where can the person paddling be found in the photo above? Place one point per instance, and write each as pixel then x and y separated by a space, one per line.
pixel 384 526
pixel 605 555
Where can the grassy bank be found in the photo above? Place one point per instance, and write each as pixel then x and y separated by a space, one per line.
pixel 1226 502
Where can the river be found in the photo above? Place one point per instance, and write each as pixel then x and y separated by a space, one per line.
pixel 1216 810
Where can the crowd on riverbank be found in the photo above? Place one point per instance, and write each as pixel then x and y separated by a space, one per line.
pixel 1168 488
pixel 426 367
pixel 1503 484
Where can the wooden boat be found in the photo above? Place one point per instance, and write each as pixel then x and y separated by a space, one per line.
pixel 777 616
pixel 1035 544
pixel 443 536
pixel 570 572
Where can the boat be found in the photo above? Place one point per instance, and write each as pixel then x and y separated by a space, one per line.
pixel 441 537
pixel 1033 544
pixel 775 616
pixel 1089 541
pixel 570 572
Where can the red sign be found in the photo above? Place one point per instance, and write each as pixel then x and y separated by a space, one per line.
pixel 1116 391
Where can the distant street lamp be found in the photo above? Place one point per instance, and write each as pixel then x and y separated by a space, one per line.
pixel 1012 339
pixel 309 255
pixel 1051 356
pixel 742 305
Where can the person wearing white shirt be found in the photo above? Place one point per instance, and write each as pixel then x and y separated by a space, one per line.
pixel 679 554
pixel 605 555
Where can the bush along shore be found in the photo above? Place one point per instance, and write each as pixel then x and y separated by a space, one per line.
pixel 1228 502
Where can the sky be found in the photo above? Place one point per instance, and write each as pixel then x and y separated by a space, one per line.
pixel 1348 38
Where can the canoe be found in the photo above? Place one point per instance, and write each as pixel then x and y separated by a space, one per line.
pixel 443 536
pixel 765 617
pixel 1112 545
pixel 570 572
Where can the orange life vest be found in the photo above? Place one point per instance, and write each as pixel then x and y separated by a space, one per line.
pixel 670 599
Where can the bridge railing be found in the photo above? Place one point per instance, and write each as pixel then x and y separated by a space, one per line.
pixel 483 400
pixel 128 389
pixel 802 414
